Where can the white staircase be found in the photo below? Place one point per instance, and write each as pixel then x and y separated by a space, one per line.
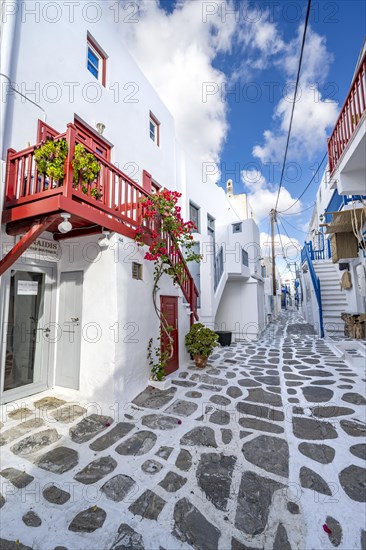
pixel 334 299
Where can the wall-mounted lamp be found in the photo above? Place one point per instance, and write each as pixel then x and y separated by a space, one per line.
pixel 321 217
pixel 100 126
pixel 65 226
pixel 104 241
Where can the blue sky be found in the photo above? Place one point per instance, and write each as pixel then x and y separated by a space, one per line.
pixel 207 51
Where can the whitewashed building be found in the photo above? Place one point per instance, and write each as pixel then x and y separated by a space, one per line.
pixel 335 243
pixel 76 307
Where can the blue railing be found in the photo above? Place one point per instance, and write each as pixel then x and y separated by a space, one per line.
pixel 306 256
pixel 322 253
pixel 309 248
pixel 218 267
pixel 337 201
pixel 334 205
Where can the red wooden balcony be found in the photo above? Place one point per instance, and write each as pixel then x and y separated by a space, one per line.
pixel 29 195
pixel 350 117
pixel 34 203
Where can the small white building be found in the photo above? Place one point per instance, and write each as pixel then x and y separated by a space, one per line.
pixel 76 306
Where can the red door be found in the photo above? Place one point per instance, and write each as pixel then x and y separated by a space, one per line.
pixel 169 308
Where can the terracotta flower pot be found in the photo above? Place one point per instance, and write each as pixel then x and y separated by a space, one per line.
pixel 200 361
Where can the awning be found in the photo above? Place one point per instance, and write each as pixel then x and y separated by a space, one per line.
pixel 342 221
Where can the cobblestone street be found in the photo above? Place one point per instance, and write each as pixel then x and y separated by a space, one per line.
pixel 260 450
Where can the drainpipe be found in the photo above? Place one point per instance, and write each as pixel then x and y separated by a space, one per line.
pixel 7 45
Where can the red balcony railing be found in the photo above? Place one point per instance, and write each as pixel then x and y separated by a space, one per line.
pixel 117 205
pixel 118 196
pixel 350 117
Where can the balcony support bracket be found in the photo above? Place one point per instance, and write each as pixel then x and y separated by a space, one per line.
pixel 26 240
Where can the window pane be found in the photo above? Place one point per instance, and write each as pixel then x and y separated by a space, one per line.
pixel 194 215
pixel 93 58
pixel 24 342
pixel 92 69
pixel 152 130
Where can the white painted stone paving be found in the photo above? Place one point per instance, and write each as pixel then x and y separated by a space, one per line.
pixel 258 451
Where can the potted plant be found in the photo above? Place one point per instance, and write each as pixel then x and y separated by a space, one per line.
pixel 200 342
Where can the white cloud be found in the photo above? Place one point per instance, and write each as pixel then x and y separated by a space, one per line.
pixel 313 115
pixel 176 52
pixel 287 250
pixel 316 58
pixel 262 195
pixel 261 42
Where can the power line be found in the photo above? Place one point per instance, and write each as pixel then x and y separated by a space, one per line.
pixel 301 211
pixel 284 228
pixel 308 185
pixel 293 104
pixel 281 243
pixel 300 230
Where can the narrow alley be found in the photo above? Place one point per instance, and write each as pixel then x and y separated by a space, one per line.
pixel 263 449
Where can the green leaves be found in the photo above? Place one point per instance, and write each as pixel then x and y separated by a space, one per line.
pixel 201 340
pixel 158 359
pixel 50 159
pixel 85 165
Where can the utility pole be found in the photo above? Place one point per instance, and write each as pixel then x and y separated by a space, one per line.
pixel 273 219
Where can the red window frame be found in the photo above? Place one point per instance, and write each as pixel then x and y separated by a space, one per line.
pixel 95 46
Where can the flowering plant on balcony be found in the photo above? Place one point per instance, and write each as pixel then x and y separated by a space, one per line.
pixel 86 168
pixel 167 232
pixel 50 159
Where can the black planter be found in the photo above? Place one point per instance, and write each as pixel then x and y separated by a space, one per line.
pixel 224 337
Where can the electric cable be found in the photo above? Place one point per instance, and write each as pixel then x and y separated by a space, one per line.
pixel 290 224
pixel 291 240
pixel 301 211
pixel 281 243
pixel 293 104
pixel 308 185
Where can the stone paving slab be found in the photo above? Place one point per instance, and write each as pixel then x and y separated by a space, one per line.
pixel 20 429
pixel 34 443
pixel 258 451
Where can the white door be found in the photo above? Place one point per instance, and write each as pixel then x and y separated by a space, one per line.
pixel 28 334
pixel 68 346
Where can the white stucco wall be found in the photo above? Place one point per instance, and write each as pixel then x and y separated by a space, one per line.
pixel 56 78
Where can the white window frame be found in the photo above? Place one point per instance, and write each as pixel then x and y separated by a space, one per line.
pixel 156 124
pixel 197 208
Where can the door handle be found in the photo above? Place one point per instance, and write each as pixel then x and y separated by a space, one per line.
pixel 74 319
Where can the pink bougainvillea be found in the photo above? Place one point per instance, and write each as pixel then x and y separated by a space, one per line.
pixel 166 232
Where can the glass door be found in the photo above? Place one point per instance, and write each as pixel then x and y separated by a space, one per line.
pixel 27 331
